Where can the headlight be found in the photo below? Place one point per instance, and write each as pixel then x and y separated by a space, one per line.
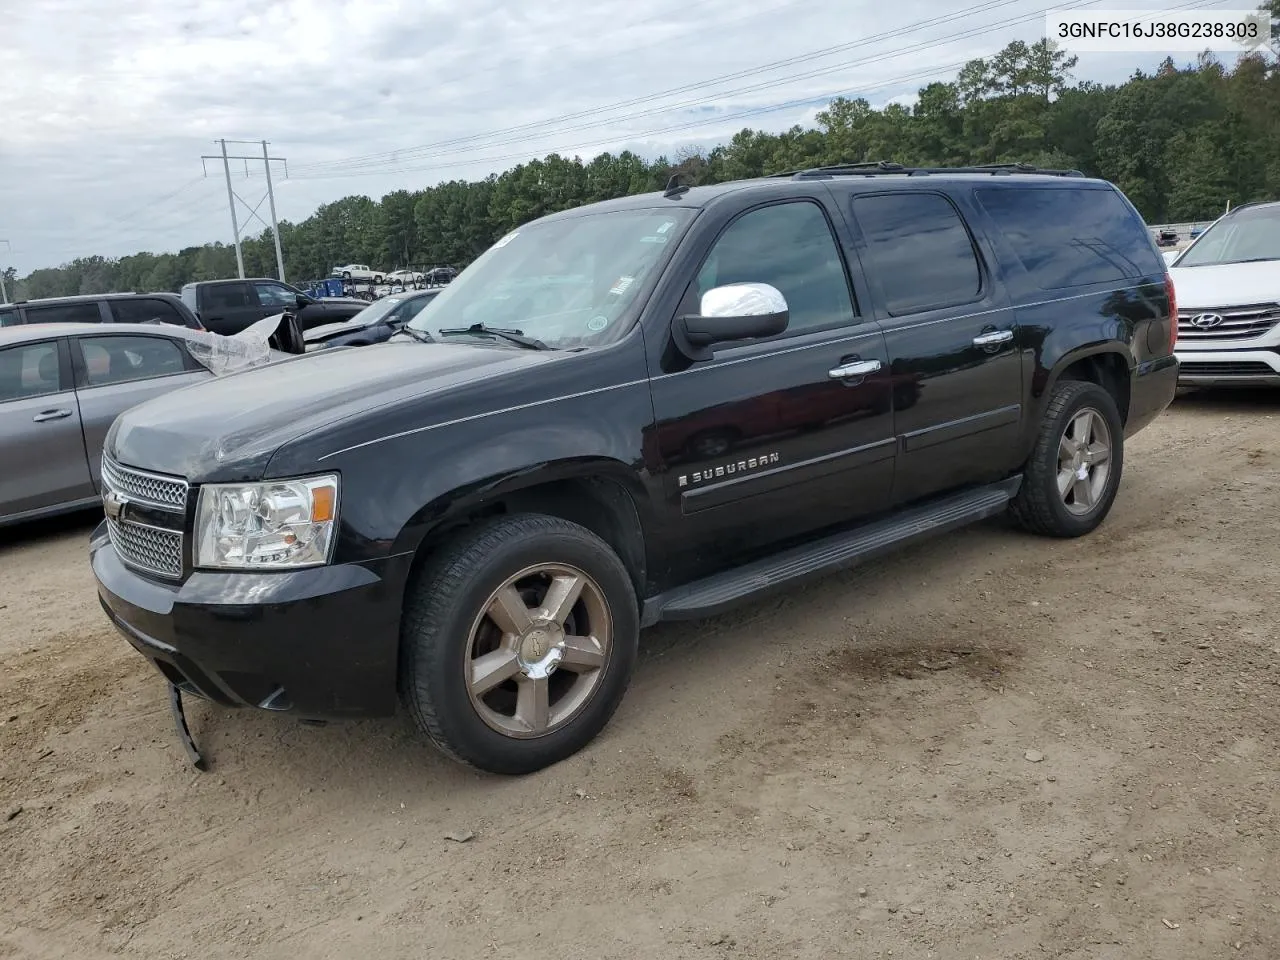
pixel 274 525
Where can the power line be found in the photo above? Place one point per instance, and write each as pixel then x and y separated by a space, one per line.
pixel 757 111
pixel 413 152
pixel 270 197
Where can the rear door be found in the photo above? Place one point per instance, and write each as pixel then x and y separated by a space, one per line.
pixel 116 371
pixel 772 429
pixel 228 308
pixel 41 446
pixel 951 336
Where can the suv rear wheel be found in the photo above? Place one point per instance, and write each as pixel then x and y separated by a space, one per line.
pixel 518 642
pixel 1074 472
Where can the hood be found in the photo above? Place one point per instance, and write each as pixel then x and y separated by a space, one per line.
pixel 327 330
pixel 229 427
pixel 1226 285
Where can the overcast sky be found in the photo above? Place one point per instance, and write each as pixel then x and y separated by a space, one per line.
pixel 107 106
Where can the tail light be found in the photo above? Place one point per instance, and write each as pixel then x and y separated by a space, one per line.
pixel 1173 312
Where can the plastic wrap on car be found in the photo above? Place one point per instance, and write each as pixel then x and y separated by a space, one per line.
pixel 222 355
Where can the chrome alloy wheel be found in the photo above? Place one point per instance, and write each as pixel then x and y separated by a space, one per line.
pixel 1084 461
pixel 538 650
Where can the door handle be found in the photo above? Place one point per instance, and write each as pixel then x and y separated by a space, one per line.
pixel 855 368
pixel 992 339
pixel 44 415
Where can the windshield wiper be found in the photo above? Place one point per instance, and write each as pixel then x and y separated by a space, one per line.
pixel 419 335
pixel 513 336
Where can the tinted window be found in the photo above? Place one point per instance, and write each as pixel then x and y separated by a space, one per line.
pixel 81 311
pixel 120 359
pixel 1068 238
pixel 30 370
pixel 920 250
pixel 789 246
pixel 274 295
pixel 226 296
pixel 9 318
pixel 145 310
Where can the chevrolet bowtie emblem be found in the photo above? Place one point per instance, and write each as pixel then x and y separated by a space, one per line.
pixel 113 504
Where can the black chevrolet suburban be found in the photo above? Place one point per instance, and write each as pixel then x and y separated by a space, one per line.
pixel 645 409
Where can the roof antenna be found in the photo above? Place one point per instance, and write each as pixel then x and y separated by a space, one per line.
pixel 675 189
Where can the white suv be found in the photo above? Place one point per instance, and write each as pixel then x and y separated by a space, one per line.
pixel 1227 285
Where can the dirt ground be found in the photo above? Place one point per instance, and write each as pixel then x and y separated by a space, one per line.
pixel 990 746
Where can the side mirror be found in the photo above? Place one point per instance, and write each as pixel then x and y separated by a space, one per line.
pixel 736 311
pixel 303 300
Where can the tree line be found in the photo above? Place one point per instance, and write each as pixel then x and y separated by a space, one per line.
pixel 1182 142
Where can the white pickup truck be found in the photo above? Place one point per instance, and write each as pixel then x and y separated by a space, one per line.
pixel 358 271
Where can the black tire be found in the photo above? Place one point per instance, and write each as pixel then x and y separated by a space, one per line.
pixel 1039 507
pixel 346 274
pixel 446 598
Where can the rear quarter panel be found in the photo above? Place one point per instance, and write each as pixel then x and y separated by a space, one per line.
pixel 1129 317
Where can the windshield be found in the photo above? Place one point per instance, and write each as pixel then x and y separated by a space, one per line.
pixel 1252 234
pixel 392 308
pixel 565 282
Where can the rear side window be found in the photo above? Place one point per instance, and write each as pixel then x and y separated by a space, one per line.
pixel 145 310
pixel 189 298
pixel 82 311
pixel 9 318
pixel 1071 237
pixel 920 251
pixel 228 296
pixel 118 359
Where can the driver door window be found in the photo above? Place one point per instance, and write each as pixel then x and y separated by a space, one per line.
pixel 789 246
pixel 274 295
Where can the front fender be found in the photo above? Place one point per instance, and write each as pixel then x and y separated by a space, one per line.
pixel 468 496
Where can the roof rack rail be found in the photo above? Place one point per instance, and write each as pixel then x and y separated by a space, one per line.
pixel 889 167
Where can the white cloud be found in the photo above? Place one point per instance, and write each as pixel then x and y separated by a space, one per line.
pixel 105 108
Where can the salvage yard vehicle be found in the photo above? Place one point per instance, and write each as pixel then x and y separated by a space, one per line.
pixel 101 308
pixel 1228 285
pixel 61 387
pixel 374 324
pixel 482 513
pixel 229 306
pixel 358 271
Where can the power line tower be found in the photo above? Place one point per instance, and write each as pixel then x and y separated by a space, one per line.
pixel 232 197
pixel 4 294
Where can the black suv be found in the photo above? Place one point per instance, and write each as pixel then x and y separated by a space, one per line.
pixel 229 306
pixel 101 308
pixel 645 409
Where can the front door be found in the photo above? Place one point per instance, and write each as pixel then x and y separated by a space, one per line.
pixel 42 459
pixel 774 438
pixel 952 341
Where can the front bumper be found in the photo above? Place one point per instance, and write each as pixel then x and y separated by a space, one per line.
pixel 1225 368
pixel 319 643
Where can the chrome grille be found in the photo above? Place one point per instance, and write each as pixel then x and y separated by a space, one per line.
pixel 147 546
pixel 156 551
pixel 1236 323
pixel 151 487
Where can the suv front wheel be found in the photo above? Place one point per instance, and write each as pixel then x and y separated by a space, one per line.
pixel 517 643
pixel 1074 472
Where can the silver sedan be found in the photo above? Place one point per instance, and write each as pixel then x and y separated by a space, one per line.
pixel 61 387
